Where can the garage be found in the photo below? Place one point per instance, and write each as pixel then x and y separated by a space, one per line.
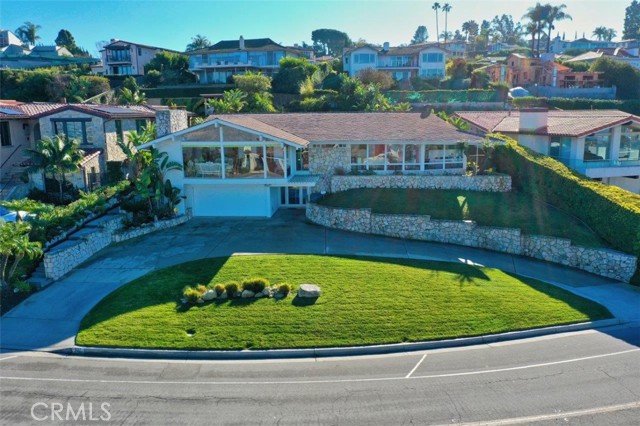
pixel 229 200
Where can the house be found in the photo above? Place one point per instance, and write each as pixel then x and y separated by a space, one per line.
pixel 8 38
pixel 254 164
pixel 216 64
pixel 601 144
pixel 456 48
pixel 559 46
pixel 617 54
pixel 426 60
pixel 97 127
pixel 121 57
pixel 20 56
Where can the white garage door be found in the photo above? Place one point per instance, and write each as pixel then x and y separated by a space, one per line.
pixel 225 200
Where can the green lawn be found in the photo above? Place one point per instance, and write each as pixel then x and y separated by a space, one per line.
pixel 511 210
pixel 364 301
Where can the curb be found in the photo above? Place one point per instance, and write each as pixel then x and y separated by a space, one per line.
pixel 90 351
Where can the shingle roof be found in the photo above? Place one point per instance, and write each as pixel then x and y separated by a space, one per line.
pixel 559 123
pixel 41 109
pixel 302 128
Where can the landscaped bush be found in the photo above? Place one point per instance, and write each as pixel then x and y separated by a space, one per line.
pixel 231 288
pixel 611 212
pixel 285 288
pixel 256 284
pixel 443 96
pixel 192 294
pixel 219 289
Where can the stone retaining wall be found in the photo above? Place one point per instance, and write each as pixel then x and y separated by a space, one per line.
pixel 71 253
pixel 604 262
pixel 488 183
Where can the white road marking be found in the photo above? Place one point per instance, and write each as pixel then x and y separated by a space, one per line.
pixel 307 382
pixel 416 367
pixel 9 357
pixel 555 416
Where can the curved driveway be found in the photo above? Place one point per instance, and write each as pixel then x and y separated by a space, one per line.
pixel 49 320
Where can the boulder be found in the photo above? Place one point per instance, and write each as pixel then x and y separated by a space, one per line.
pixel 266 292
pixel 278 296
pixel 209 295
pixel 223 296
pixel 246 294
pixel 259 295
pixel 309 291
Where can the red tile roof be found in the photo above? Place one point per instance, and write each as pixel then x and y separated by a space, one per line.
pixel 302 128
pixel 559 123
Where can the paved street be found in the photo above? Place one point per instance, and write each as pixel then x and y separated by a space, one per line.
pixel 586 378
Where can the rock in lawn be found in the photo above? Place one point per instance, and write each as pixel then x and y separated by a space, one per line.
pixel 223 296
pixel 266 292
pixel 259 295
pixel 209 295
pixel 309 291
pixel 246 294
pixel 278 296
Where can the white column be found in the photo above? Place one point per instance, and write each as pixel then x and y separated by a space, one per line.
pixel 616 135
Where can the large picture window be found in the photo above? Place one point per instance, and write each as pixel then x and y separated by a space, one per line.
pixel 72 129
pixel 629 144
pixel 597 147
pixel 406 157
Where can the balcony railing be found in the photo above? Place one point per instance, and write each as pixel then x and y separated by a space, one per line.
pixel 582 166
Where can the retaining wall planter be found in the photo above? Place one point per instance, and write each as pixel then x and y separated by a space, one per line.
pixel 71 253
pixel 488 183
pixel 604 262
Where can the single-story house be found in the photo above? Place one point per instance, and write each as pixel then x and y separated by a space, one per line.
pixel 601 144
pixel 253 164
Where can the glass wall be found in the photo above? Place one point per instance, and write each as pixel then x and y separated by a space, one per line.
pixel 302 159
pixel 560 148
pixel 597 147
pixel 405 157
pixel 629 144
pixel 359 157
pixel 276 166
pixel 244 162
pixel 205 162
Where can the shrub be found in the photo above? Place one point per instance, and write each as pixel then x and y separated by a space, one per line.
pixel 219 289
pixel 256 284
pixel 114 172
pixel 202 289
pixel 231 288
pixel 191 294
pixel 285 288
pixel 612 212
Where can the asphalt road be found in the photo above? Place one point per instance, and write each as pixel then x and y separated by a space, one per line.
pixel 585 378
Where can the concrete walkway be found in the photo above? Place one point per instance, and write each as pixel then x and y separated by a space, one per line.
pixel 49 320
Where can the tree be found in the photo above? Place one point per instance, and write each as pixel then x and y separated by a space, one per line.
pixel 436 6
pixel 456 68
pixel 131 97
pixel 28 33
pixel 470 28
pixel 506 29
pixel 604 33
pixel 421 35
pixel 65 39
pixel 257 87
pixel 553 14
pixel 15 244
pixel 632 21
pixel 446 8
pixel 329 42
pixel 198 42
pixel 372 76
pixel 57 157
pixel 293 71
pixel 625 77
pixel 233 101
pixel 480 79
pixel 537 16
pixel 174 67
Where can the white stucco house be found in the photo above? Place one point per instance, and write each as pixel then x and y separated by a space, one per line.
pixel 254 164
pixel 426 60
pixel 601 144
pixel 121 57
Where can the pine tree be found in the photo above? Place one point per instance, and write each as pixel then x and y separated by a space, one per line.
pixel 632 21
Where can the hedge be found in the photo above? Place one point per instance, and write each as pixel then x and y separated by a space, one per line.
pixel 443 96
pixel 631 106
pixel 612 212
pixel 184 92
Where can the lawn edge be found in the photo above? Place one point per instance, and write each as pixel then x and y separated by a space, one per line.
pixel 113 352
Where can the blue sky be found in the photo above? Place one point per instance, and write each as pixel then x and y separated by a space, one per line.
pixel 171 24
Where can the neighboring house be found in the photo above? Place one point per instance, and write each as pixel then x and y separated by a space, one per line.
pixel 499 45
pixel 97 127
pixel 216 64
pixel 126 58
pixel 8 38
pixel 618 54
pixel 253 164
pixel 559 46
pixel 19 56
pixel 601 144
pixel 456 48
pixel 426 60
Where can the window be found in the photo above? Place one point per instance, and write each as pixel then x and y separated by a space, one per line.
pixel 364 58
pixel 597 147
pixel 5 134
pixel 412 157
pixel 432 57
pixel 141 125
pixel 276 167
pixel 560 148
pixel 395 157
pixel 359 157
pixel 139 51
pixel 202 162
pixel 629 144
pixel 119 134
pixel 432 72
pixel 73 129
pixel 244 162
pixel 400 61
pixel 118 55
pixel 302 159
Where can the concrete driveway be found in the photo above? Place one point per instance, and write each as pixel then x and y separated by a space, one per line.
pixel 49 319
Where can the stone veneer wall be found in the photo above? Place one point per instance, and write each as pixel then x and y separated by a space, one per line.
pixel 58 262
pixel 489 183
pixel 324 160
pixel 607 263
pixel 170 121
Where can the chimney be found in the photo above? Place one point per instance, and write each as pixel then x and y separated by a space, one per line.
pixel 170 121
pixel 385 46
pixel 533 119
pixel 241 43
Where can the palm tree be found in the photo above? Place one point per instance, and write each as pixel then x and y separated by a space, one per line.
pixel 600 33
pixel 56 157
pixel 28 33
pixel 532 28
pixel 611 34
pixel 446 9
pixel 435 7
pixel 198 42
pixel 14 242
pixel 129 148
pixel 538 16
pixel 554 13
pixel 131 97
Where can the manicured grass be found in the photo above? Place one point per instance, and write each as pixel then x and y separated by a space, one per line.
pixel 364 301
pixel 511 210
